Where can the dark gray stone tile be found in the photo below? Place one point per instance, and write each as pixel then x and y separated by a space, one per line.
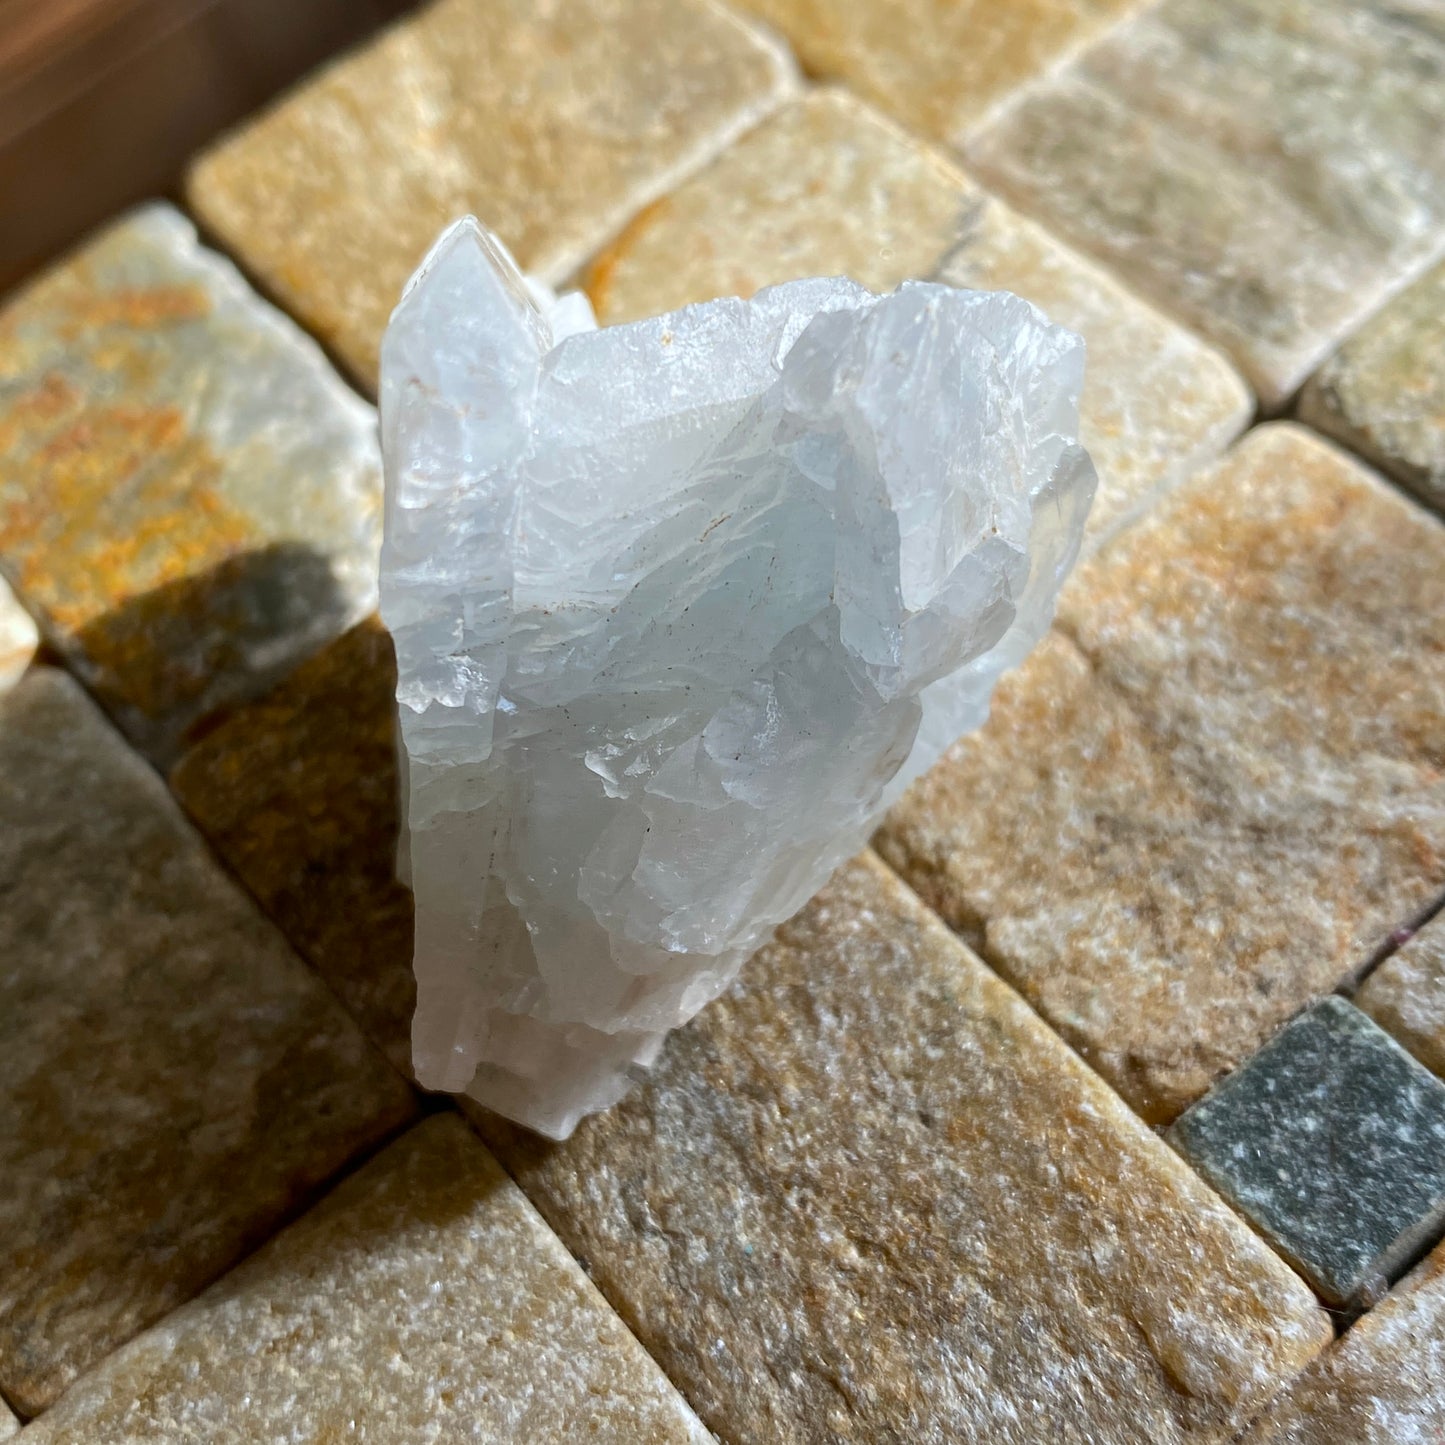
pixel 1331 1141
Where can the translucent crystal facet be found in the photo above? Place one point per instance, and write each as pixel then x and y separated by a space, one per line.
pixel 679 608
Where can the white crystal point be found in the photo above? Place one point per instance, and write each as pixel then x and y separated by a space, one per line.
pixel 679 608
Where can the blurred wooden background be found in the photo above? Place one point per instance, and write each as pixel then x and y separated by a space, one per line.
pixel 103 101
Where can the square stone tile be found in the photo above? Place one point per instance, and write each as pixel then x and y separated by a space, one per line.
pixel 867 1196
pixel 18 638
pixel 553 123
pixel 1406 995
pixel 829 187
pixel 1383 1383
pixel 1215 790
pixel 939 68
pixel 1383 392
pixel 1331 1142
pixel 173 1080
pixel 423 1300
pixel 189 496
pixel 1271 171
pixel 298 793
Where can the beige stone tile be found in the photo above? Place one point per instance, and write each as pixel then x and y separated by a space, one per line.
pixel 173 1080
pixel 1383 392
pixel 298 794
pixel 423 1300
pixel 1269 170
pixel 18 638
pixel 828 187
pixel 552 123
pixel 189 496
pixel 1406 995
pixel 1382 1384
pixel 8 1423
pixel 1215 790
pixel 939 68
pixel 867 1196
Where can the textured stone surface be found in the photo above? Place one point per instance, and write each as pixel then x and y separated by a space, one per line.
pixel 867 1197
pixel 552 123
pixel 1382 1384
pixel 423 1300
pixel 298 793
pixel 827 187
pixel 8 1423
pixel 1406 995
pixel 1269 169
pixel 18 638
pixel 1383 392
pixel 173 1080
pixel 190 499
pixel 1331 1141
pixel 1216 790
pixel 679 608
pixel 939 68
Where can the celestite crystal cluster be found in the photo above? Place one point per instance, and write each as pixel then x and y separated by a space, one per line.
pixel 679 608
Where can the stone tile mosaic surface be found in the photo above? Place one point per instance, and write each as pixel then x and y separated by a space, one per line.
pixel 828 187
pixel 1215 791
pixel 173 1081
pixel 553 123
pixel 189 496
pixel 1331 1141
pixel 1383 392
pixel 1269 170
pixel 423 1300
pixel 872 1194
pixel 939 68
pixel 868 1196
pixel 298 794
pixel 1406 995
pixel 1380 1384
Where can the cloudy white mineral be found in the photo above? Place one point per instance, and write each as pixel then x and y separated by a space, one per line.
pixel 679 608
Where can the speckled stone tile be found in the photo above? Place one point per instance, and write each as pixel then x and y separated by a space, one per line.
pixel 1215 790
pixel 423 1300
pixel 18 638
pixel 1406 995
pixel 1331 1142
pixel 189 496
pixel 298 794
pixel 552 123
pixel 1383 1383
pixel 828 187
pixel 173 1080
pixel 1383 392
pixel 1270 170
pixel 939 68
pixel 867 1196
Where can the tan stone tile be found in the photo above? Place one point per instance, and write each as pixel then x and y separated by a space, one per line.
pixel 1406 995
pixel 939 68
pixel 828 187
pixel 173 1081
pixel 1383 392
pixel 552 123
pixel 423 1300
pixel 1269 170
pixel 1215 790
pixel 189 496
pixel 298 794
pixel 1382 1384
pixel 18 638
pixel 867 1196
